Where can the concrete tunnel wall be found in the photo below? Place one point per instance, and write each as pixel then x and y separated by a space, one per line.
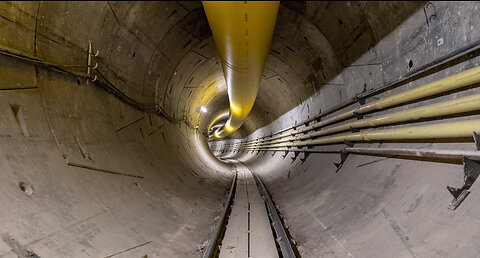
pixel 377 206
pixel 64 138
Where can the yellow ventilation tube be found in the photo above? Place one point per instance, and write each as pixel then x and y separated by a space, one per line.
pixel 242 31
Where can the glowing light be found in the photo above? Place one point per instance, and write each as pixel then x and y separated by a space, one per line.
pixel 203 109
pixel 236 110
pixel 228 127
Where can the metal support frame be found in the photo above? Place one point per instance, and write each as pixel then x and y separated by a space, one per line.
pixel 91 54
pixel 305 156
pixel 471 169
pixel 295 156
pixel 343 155
pixel 358 115
pixel 476 139
pixel 360 100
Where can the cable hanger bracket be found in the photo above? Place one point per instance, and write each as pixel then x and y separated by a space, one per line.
pixel 471 169
pixel 305 154
pixel 360 100
pixel 343 155
pixel 358 115
pixel 286 153
pixel 91 67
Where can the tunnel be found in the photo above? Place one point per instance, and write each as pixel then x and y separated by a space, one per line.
pixel 362 140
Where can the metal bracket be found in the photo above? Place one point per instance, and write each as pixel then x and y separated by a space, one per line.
pixel 343 155
pixel 91 67
pixel 471 169
pixel 305 156
pixel 348 143
pixel 354 130
pixel 285 155
pixel 477 140
pixel 360 100
pixel 358 115
pixel 296 153
pixel 273 153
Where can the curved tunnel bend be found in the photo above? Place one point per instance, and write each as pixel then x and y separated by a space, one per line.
pixel 111 159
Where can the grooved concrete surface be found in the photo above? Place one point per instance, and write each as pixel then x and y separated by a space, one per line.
pixel 159 65
pixel 248 231
pixel 378 206
pixel 78 212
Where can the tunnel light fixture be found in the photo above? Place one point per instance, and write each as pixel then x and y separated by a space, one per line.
pixel 203 109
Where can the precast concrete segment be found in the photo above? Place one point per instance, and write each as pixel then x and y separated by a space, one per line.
pixel 150 51
pixel 66 188
pixel 242 31
pixel 248 232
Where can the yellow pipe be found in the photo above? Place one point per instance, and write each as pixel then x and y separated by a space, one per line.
pixel 242 31
pixel 444 85
pixel 433 131
pixel 455 106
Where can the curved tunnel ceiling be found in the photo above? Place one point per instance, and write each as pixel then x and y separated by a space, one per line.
pixel 126 154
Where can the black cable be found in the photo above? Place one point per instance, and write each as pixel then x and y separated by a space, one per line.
pixel 102 81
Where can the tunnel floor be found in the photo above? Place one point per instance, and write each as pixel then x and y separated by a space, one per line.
pixel 248 232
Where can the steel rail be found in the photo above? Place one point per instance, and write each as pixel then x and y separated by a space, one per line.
pixel 213 243
pixel 282 237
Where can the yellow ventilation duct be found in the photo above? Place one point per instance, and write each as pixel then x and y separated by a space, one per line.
pixel 242 31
